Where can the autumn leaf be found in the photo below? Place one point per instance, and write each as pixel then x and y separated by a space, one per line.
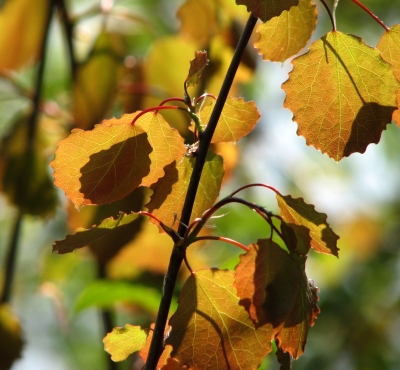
pixel 170 191
pixel 284 36
pixel 210 321
pixel 297 212
pixel 238 119
pixel 122 342
pixel 389 46
pixel 266 9
pixel 197 66
pixel 84 237
pixel 102 165
pixel 342 95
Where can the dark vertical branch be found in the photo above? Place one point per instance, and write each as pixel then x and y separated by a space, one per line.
pixel 177 252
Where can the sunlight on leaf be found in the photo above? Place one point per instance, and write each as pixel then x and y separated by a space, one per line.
pixel 266 9
pixel 342 95
pixel 102 165
pixel 297 212
pixel 122 342
pixel 210 321
pixel 284 36
pixel 237 120
pixel 197 66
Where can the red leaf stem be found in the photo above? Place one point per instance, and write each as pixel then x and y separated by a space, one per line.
pixel 363 7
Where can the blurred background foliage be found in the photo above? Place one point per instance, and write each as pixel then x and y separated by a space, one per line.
pixel 128 55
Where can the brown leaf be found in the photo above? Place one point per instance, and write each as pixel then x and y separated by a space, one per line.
pixel 197 65
pixel 266 9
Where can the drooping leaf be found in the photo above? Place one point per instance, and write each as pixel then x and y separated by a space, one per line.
pixel 11 341
pixel 197 66
pixel 211 330
pixel 22 30
pixel 297 212
pixel 297 238
pixel 170 191
pixel 102 165
pixel 96 81
pixel 342 95
pixel 122 342
pixel 273 288
pixel 84 237
pixel 389 46
pixel 238 119
pixel 284 36
pixel 266 9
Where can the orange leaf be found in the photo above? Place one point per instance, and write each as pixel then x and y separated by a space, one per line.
pixel 342 95
pixel 266 9
pixel 197 65
pixel 102 165
pixel 210 330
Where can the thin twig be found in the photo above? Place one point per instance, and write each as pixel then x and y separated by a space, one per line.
pixel 176 259
pixel 330 15
pixel 363 7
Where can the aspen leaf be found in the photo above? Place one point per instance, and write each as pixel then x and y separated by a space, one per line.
pixel 389 46
pixel 102 165
pixel 238 119
pixel 84 237
pixel 122 342
pixel 210 330
pixel 342 95
pixel 285 35
pixel 297 212
pixel 170 191
pixel 266 9
pixel 197 65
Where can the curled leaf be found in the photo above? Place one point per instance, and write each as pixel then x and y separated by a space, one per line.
pixel 197 66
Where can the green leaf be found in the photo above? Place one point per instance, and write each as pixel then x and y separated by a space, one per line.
pixel 122 342
pixel 297 212
pixel 210 321
pixel 342 95
pixel 238 119
pixel 276 37
pixel 84 237
pixel 197 66
pixel 102 165
pixel 266 9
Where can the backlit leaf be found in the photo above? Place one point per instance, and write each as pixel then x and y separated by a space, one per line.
pixel 170 191
pixel 102 165
pixel 22 30
pixel 210 330
pixel 84 237
pixel 297 212
pixel 342 95
pixel 266 9
pixel 197 65
pixel 389 46
pixel 122 342
pixel 284 36
pixel 238 119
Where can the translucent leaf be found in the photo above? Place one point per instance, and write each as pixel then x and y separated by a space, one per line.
pixel 238 119
pixel 11 342
pixel 297 212
pixel 273 288
pixel 266 9
pixel 389 46
pixel 170 191
pixel 284 36
pixel 196 67
pixel 122 342
pixel 22 28
pixel 210 330
pixel 84 237
pixel 102 165
pixel 342 95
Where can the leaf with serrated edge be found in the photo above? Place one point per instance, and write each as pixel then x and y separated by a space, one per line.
pixel 238 119
pixel 83 237
pixel 122 342
pixel 197 66
pixel 170 191
pixel 266 9
pixel 211 330
pixel 342 95
pixel 104 164
pixel 297 212
pixel 284 36
pixel 389 46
